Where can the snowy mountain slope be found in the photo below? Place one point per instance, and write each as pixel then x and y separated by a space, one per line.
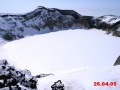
pixel 39 20
pixel 111 19
pixel 109 23
pixel 36 20
pixel 81 48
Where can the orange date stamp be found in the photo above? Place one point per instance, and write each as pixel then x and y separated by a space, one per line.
pixel 105 83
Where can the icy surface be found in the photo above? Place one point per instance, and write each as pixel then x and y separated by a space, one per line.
pixel 64 51
pixel 77 57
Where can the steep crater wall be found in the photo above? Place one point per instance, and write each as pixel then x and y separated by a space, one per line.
pixel 18 26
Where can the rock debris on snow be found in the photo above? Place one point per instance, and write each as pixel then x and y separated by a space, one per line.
pixel 13 79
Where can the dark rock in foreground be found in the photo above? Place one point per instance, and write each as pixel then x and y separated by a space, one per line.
pixel 14 79
pixel 117 62
pixel 58 85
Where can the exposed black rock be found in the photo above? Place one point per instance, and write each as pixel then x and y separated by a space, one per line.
pixel 43 75
pixel 13 78
pixel 9 36
pixel 117 62
pixel 3 62
pixel 58 85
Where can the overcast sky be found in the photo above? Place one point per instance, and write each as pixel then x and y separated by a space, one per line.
pixel 85 7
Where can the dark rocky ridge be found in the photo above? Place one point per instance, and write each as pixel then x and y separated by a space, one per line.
pixel 14 26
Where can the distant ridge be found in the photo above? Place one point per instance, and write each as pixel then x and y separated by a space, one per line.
pixel 44 20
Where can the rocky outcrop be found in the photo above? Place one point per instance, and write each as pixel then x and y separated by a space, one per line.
pixel 58 85
pixel 110 24
pixel 14 79
pixel 117 62
pixel 18 26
